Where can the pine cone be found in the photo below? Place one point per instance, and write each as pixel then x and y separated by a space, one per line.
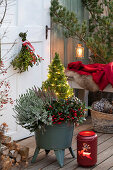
pixel 98 106
pixel 103 106
pixel 108 108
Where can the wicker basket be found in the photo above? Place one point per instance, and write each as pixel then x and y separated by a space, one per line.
pixel 102 122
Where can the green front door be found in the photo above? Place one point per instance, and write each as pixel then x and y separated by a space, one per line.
pixel 66 47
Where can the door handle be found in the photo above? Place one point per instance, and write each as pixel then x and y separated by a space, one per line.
pixel 47 29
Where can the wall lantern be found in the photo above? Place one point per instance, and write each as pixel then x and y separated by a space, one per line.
pixel 87 148
pixel 79 51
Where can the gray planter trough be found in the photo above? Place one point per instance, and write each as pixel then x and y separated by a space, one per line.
pixel 57 138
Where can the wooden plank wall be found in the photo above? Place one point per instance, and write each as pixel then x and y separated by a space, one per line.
pixel 66 47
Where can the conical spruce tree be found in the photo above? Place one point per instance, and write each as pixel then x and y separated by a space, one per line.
pixel 57 81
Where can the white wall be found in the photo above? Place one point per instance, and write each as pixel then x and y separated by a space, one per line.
pixel 31 16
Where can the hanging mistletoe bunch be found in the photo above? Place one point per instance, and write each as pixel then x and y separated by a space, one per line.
pixel 26 56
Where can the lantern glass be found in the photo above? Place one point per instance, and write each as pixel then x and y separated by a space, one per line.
pixel 87 133
pixel 79 51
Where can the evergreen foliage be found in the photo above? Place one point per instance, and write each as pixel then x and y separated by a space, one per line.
pixel 37 109
pixel 57 80
pixel 30 111
pixel 98 35
pixel 26 57
pixel 54 103
pixel 69 110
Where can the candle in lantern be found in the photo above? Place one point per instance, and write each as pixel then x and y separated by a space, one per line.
pixel 79 51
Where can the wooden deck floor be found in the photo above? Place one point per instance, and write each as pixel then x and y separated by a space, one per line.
pixel 105 153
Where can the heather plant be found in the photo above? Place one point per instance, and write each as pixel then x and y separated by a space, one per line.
pixel 30 111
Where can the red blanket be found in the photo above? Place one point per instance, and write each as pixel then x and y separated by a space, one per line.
pixel 102 73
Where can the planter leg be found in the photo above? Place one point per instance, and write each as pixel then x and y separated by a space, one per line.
pixel 60 156
pixel 47 151
pixel 71 151
pixel 35 155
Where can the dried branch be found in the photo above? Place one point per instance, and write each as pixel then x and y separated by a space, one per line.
pixel 3 35
pixel 1 2
pixel 4 14
pixel 10 49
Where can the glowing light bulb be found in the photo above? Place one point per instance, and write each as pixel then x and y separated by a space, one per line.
pixel 79 51
pixel 49 75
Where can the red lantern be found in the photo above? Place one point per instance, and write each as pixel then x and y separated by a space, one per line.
pixel 87 148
